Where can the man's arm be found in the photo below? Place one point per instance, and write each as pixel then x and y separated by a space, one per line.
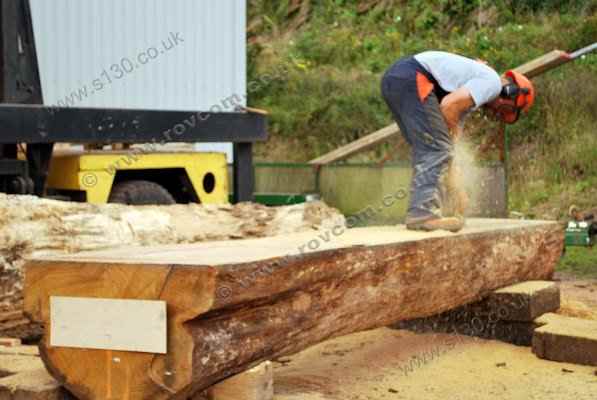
pixel 454 106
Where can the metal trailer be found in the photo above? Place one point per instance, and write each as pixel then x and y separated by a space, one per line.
pixel 25 119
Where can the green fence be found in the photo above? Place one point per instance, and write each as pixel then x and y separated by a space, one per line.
pixel 378 192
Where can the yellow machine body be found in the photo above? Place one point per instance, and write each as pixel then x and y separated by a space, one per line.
pixel 95 173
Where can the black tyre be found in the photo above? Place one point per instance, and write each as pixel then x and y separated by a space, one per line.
pixel 140 193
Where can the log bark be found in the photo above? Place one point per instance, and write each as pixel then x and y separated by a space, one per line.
pixel 233 305
pixel 31 226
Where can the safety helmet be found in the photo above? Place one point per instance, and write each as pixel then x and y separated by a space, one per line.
pixel 516 96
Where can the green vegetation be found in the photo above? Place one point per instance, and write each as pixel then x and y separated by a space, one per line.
pixel 334 52
pixel 579 261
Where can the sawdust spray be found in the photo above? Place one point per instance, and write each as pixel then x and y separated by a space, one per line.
pixel 470 177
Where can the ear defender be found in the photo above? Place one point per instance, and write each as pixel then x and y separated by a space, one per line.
pixel 516 96
pixel 519 89
pixel 511 90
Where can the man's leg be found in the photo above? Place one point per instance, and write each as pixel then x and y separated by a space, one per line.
pixel 433 149
pixel 424 128
pixel 401 97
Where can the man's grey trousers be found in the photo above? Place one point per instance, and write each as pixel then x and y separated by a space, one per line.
pixel 417 112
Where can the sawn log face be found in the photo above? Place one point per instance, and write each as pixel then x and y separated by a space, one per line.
pixel 313 298
pixel 280 301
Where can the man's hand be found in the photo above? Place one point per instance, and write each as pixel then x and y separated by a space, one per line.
pixel 454 106
pixel 457 132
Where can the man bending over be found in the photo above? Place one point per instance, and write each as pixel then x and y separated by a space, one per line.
pixel 429 94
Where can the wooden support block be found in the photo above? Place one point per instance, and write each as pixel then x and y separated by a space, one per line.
pixel 10 342
pixel 470 321
pixel 566 339
pixel 233 304
pixel 32 351
pixel 254 384
pixel 507 314
pixel 525 301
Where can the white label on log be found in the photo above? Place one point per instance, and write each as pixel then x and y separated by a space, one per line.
pixel 108 324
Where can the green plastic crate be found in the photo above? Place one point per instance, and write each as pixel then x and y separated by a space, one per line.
pixel 578 234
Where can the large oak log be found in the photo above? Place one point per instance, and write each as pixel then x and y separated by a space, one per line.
pixel 232 305
pixel 30 225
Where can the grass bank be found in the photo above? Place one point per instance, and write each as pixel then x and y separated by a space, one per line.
pixel 580 262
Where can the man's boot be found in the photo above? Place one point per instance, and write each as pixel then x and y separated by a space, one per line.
pixel 452 224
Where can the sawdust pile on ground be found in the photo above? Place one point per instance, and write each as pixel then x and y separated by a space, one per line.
pixel 33 226
pixel 385 364
pixel 23 376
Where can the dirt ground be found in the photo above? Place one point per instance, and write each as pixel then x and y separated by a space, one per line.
pixel 584 291
pixel 390 364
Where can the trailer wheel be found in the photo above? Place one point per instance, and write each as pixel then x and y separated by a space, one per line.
pixel 140 193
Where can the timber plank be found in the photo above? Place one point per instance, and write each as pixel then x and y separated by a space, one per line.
pixel 233 305
pixel 508 314
pixel 365 143
pixel 11 316
pixel 31 351
pixel 544 63
pixel 566 339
